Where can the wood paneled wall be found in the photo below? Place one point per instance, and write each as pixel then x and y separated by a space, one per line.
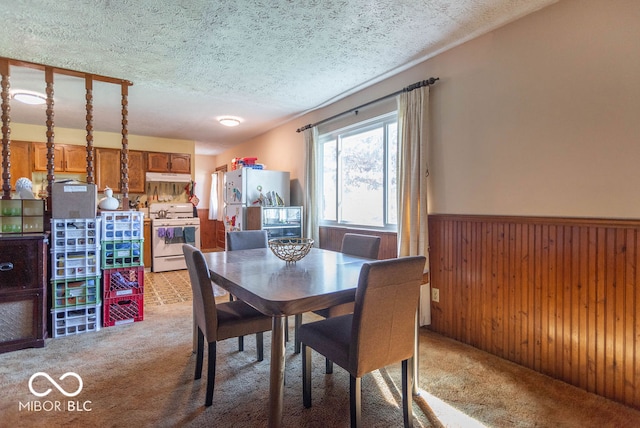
pixel 331 239
pixel 207 230
pixel 557 295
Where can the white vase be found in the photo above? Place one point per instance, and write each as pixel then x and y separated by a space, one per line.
pixel 108 202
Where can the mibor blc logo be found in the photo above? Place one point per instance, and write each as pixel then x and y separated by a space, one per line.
pixel 55 406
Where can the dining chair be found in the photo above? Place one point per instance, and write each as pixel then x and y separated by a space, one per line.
pixel 246 240
pixel 353 244
pixel 217 322
pixel 379 332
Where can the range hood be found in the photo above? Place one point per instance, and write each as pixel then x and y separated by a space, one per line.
pixel 168 177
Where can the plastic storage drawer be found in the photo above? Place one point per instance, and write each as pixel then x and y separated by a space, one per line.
pixel 75 234
pixel 122 226
pixel 70 321
pixel 75 264
pixel 117 254
pixel 75 292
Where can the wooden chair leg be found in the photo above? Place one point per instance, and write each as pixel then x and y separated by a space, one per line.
pixel 296 327
pixel 306 376
pixel 241 343
pixel 355 401
pixel 328 366
pixel 260 345
pixel 407 397
pixel 211 374
pixel 199 354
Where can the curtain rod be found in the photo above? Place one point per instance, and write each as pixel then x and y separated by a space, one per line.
pixel 428 82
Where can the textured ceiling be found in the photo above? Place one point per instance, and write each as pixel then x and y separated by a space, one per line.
pixel 265 61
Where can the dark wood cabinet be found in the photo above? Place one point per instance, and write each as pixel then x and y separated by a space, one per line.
pixel 23 291
pixel 178 163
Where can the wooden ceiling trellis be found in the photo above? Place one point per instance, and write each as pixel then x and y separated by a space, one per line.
pixel 89 78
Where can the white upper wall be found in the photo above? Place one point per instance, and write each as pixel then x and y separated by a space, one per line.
pixel 540 117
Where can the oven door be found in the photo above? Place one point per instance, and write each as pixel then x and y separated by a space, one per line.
pixel 168 236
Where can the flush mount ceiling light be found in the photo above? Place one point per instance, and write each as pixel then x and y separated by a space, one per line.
pixel 229 121
pixel 28 97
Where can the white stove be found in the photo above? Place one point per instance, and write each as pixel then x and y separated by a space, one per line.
pixel 172 225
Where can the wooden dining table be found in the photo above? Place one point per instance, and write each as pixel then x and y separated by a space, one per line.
pixel 274 287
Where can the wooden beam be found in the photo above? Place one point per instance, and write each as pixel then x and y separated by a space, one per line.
pixel 88 82
pixel 6 130
pixel 66 71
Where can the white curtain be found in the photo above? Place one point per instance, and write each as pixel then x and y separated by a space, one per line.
pixel 311 186
pixel 215 199
pixel 413 169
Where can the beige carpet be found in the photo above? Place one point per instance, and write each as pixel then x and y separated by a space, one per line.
pixel 141 375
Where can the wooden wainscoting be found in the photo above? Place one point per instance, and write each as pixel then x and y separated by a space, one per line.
pixel 207 230
pixel 557 295
pixel 331 239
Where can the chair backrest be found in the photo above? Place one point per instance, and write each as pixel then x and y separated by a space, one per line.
pixel 358 245
pixel 247 240
pixel 384 316
pixel 204 301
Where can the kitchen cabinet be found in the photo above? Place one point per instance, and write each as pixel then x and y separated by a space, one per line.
pixel 23 291
pixel 20 161
pixel 67 158
pixel 279 222
pixel 108 170
pixel 178 163
pixel 136 171
pixel 147 243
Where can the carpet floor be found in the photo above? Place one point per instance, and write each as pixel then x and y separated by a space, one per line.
pixel 141 374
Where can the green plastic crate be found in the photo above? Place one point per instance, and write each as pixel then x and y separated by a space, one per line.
pixel 71 293
pixel 117 254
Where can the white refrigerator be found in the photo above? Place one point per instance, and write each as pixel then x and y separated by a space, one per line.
pixel 247 187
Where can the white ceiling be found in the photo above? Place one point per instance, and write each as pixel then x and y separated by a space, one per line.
pixel 191 61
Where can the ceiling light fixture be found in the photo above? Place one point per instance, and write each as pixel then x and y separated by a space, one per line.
pixel 29 97
pixel 229 121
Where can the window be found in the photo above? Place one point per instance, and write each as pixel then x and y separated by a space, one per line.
pixel 358 174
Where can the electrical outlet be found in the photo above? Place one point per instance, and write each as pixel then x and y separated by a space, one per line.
pixel 435 294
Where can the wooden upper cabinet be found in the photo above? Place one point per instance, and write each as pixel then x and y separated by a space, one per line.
pixel 136 172
pixel 75 159
pixel 108 169
pixel 67 158
pixel 20 161
pixel 180 163
pixel 40 157
pixel 169 162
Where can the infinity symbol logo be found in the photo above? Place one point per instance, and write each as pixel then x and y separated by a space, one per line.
pixel 53 382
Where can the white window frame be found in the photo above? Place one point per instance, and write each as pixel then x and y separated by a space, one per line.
pixel 385 121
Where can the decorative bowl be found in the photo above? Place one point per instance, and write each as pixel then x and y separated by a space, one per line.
pixel 290 249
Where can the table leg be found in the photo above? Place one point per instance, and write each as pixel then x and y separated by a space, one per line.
pixel 415 363
pixel 276 377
